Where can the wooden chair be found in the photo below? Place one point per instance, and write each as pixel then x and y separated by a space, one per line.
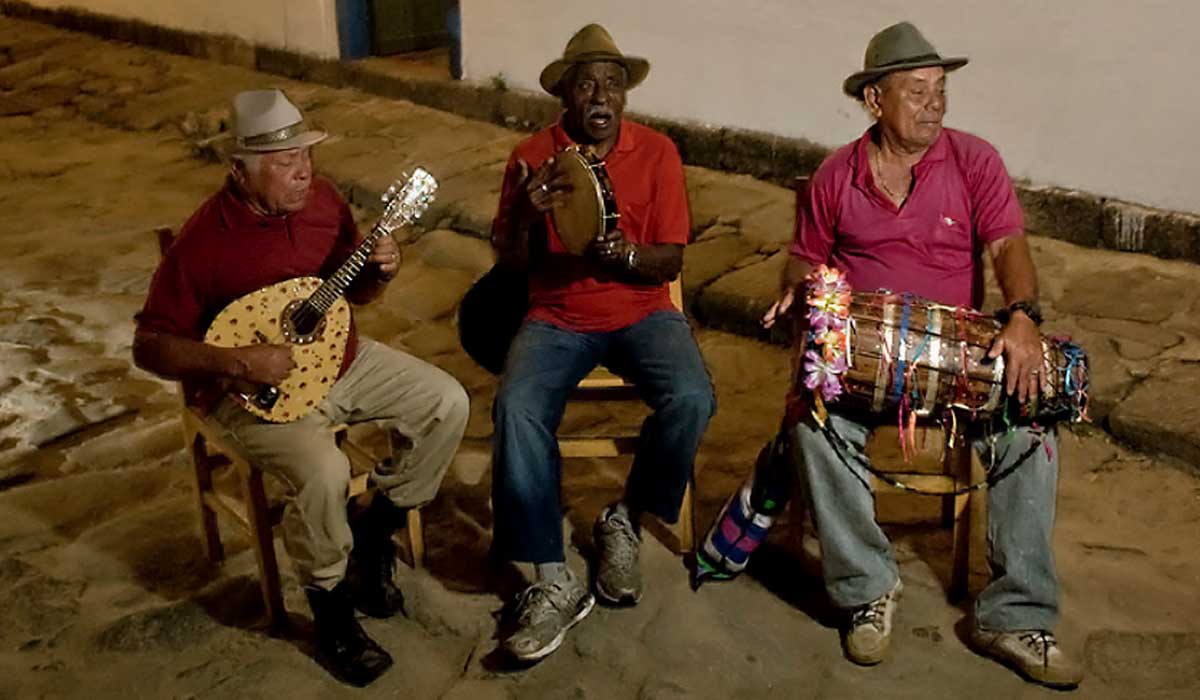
pixel 603 385
pixel 210 452
pixel 963 513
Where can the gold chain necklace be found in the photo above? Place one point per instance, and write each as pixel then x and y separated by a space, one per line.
pixel 879 179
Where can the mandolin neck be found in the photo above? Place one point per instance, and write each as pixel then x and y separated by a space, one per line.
pixel 337 284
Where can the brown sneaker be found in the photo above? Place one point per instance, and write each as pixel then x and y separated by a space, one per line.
pixel 1034 654
pixel 867 638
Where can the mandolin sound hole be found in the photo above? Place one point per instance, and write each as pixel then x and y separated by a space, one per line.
pixel 301 323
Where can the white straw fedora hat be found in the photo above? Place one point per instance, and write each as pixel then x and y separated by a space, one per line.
pixel 265 121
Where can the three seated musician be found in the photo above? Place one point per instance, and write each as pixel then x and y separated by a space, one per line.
pixel 274 220
pixel 610 305
pixel 905 207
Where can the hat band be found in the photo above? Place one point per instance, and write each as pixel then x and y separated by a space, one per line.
pixel 276 136
pixel 908 59
pixel 593 56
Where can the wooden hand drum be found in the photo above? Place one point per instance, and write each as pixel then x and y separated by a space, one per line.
pixel 589 208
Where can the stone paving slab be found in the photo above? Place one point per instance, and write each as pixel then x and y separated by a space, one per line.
pixel 1134 313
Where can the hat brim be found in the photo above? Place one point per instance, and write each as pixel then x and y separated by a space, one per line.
pixel 551 78
pixel 302 140
pixel 853 86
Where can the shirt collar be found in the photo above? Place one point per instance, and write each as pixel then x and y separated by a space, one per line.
pixel 625 138
pixel 861 158
pixel 236 213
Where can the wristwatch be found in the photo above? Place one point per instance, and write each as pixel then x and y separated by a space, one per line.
pixel 1029 308
pixel 631 259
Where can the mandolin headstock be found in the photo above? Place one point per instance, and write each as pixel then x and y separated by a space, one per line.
pixel 406 200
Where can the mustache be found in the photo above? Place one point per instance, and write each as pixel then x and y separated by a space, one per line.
pixel 604 112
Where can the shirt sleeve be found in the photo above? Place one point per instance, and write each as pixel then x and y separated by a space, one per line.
pixel 176 299
pixel 812 240
pixel 995 211
pixel 670 222
pixel 502 223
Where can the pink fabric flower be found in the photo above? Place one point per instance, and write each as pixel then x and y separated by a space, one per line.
pixel 822 375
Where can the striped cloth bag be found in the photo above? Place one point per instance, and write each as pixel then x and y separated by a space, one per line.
pixel 747 516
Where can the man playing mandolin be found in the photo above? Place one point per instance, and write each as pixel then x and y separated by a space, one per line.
pixel 908 207
pixel 273 221
pixel 610 305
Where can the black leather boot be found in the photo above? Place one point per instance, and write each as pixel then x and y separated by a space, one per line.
pixel 373 560
pixel 343 648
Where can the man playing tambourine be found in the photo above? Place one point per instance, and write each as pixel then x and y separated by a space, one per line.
pixel 610 305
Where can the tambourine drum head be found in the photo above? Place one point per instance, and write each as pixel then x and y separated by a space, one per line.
pixel 579 218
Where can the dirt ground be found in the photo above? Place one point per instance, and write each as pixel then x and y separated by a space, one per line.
pixel 104 591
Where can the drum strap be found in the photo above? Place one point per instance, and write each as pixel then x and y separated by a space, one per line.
pixel 846 453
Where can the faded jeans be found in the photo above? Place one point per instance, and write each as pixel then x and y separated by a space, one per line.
pixel 857 561
pixel 422 405
pixel 545 363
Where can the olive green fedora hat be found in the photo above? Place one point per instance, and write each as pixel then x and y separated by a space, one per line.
pixel 590 44
pixel 899 47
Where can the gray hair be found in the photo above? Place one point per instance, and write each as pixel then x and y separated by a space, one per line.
pixel 250 161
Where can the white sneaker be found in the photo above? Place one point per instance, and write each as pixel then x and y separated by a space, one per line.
pixel 1034 654
pixel 867 638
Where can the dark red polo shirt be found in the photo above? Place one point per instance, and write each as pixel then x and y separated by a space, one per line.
pixel 227 250
pixel 648 184
pixel 961 200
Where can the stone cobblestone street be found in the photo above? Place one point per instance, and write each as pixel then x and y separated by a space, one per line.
pixel 104 590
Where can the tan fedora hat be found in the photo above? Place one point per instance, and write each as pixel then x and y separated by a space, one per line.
pixel 899 47
pixel 590 44
pixel 265 121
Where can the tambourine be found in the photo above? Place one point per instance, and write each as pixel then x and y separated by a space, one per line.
pixel 589 208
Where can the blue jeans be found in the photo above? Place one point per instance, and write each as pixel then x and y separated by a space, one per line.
pixel 660 356
pixel 857 561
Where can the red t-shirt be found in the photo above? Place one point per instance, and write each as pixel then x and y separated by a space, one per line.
pixel 961 199
pixel 648 185
pixel 227 250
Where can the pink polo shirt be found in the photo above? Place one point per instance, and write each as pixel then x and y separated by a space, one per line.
pixel 962 199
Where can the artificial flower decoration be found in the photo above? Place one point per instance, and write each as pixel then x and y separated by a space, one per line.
pixel 827 344
pixel 824 375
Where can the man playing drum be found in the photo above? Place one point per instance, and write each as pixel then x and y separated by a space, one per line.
pixel 610 305
pixel 905 207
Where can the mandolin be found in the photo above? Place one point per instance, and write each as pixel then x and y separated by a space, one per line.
pixel 311 315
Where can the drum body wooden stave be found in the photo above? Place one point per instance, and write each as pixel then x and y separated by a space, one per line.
pixel 928 358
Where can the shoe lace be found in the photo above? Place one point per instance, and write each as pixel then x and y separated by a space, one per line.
pixel 870 614
pixel 539 602
pixel 621 545
pixel 1040 641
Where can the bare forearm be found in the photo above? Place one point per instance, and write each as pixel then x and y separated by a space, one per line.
pixel 175 357
pixel 793 274
pixel 1013 265
pixel 655 264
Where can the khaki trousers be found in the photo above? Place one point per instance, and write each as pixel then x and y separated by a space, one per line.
pixel 425 411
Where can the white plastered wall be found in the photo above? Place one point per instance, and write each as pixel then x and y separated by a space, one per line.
pixel 304 26
pixel 1095 95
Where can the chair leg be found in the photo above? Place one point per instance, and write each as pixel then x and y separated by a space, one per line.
pixel 416 538
pixel 686 530
pixel 264 547
pixel 202 473
pixel 958 463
